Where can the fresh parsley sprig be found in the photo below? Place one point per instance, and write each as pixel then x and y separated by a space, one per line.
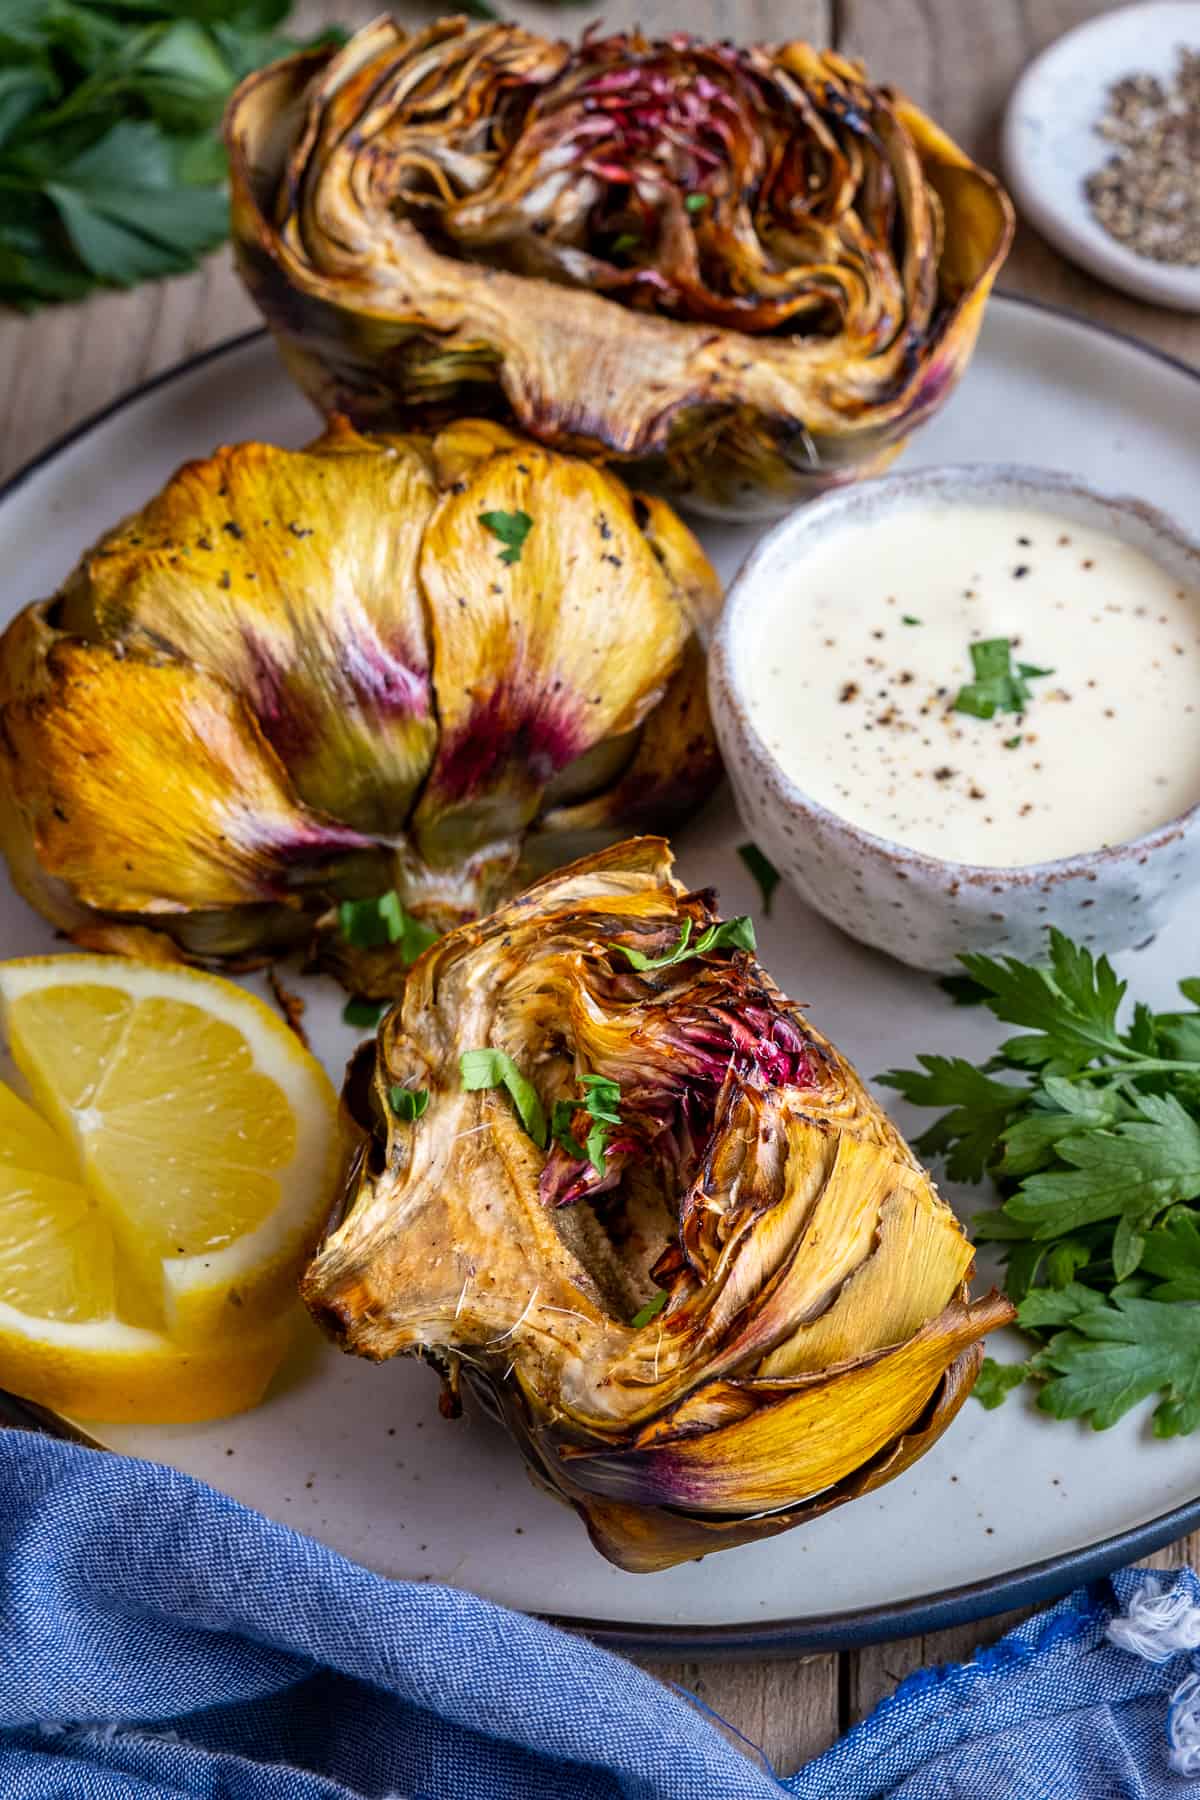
pixel 1095 1149
pixel 111 167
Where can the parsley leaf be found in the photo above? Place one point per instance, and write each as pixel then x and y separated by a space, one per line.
pixel 996 1381
pixel 512 528
pixel 650 1311
pixel 733 934
pixel 763 871
pixel 1172 1251
pixel 371 924
pixel 1093 1137
pixel 696 202
pixel 980 1109
pixel 495 1068
pixel 996 687
pixel 910 619
pixel 409 1104
pixel 1073 1005
pixel 366 1013
pixel 1118 1351
pixel 601 1100
pixel 111 164
pixel 1132 1171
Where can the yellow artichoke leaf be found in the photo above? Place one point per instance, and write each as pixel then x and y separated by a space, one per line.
pixel 292 577
pixel 802 1439
pixel 541 656
pixel 921 1257
pixel 644 1539
pixel 147 788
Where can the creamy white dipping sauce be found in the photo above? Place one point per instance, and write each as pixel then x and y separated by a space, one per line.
pixel 860 659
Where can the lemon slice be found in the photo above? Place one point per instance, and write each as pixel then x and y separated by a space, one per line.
pixel 161 1192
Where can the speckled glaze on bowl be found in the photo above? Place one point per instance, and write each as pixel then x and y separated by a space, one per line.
pixel 922 909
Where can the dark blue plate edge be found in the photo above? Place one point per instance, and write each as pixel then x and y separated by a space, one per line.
pixel 781 1637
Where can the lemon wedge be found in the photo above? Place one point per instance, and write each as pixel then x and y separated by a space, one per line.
pixel 159 1190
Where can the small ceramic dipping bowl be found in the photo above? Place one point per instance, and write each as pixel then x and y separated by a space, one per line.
pixel 921 908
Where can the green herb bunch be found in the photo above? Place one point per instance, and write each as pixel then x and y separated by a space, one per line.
pixel 111 167
pixel 1095 1147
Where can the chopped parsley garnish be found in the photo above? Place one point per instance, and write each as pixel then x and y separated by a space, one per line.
pixel 696 202
pixel 372 924
pixel 495 1068
pixel 366 1013
pixel 408 1104
pixel 763 871
pixel 1014 743
pixel 602 1101
pixel 732 934
pixel 910 619
pixel 1093 1135
pixel 651 1310
pixel 628 240
pixel 997 687
pixel 512 528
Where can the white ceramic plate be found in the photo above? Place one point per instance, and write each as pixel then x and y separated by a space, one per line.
pixel 1010 1505
pixel 1051 145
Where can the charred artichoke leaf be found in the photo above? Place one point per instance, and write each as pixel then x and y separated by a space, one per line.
pixel 815 1332
pixel 752 268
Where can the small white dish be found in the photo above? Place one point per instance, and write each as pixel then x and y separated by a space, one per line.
pixel 923 909
pixel 1051 146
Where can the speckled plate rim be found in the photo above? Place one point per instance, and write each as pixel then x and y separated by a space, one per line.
pixel 843 1629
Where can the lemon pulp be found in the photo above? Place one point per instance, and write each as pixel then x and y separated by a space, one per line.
pixel 159 1194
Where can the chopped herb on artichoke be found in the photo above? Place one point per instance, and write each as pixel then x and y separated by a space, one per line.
pixel 601 1100
pixel 370 924
pixel 408 1104
pixel 366 1013
pixel 650 1311
pixel 512 528
pixel 495 1068
pixel 732 934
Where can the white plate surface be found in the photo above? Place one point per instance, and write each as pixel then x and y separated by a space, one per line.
pixel 358 1455
pixel 1051 145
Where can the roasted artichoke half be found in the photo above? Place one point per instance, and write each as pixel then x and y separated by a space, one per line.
pixel 400 669
pixel 609 1172
pixel 750 269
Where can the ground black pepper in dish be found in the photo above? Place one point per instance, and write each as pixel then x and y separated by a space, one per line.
pixel 1147 195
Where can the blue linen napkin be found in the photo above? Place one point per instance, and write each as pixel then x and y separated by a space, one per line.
pixel 158 1640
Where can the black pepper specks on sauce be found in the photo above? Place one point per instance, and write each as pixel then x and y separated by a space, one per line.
pixel 889 767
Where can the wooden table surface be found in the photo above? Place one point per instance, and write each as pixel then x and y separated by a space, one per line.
pixel 956 58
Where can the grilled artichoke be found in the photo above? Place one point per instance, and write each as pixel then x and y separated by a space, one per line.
pixel 687 1257
pixel 750 270
pixel 410 667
